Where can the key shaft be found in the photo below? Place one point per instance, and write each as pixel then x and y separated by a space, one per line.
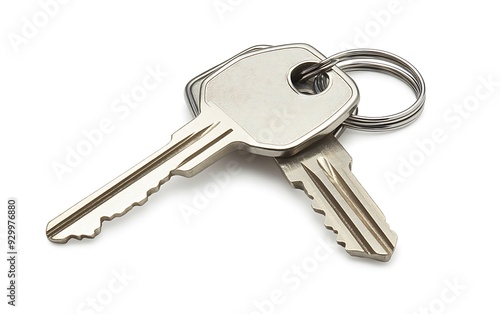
pixel 323 172
pixel 187 154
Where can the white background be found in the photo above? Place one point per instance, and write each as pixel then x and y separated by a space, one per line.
pixel 236 252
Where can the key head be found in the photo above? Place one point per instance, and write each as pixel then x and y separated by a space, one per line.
pixel 255 91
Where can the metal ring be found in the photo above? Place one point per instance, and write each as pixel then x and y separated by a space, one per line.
pixel 317 68
pixel 384 62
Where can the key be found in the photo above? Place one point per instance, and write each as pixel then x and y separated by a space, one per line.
pixel 236 102
pixel 323 172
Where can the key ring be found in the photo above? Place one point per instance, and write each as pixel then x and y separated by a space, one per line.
pixel 378 61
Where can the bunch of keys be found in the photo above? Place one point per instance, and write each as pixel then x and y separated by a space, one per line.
pixel 232 104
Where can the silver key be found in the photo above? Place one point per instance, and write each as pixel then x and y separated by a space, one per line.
pixel 236 102
pixel 323 171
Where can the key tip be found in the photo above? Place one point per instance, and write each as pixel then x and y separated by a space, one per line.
pixel 53 239
pixel 380 257
pixel 59 235
pixel 57 238
pixel 382 254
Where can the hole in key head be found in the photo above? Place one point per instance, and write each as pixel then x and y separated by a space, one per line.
pixel 310 86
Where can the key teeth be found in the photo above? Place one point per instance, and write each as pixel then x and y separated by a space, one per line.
pixel 329 224
pixel 351 250
pixel 317 209
pixel 76 237
pixel 97 230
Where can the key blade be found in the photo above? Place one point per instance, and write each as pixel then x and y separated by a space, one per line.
pixel 323 173
pixel 192 148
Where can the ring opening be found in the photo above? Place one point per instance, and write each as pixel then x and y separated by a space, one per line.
pixel 307 86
